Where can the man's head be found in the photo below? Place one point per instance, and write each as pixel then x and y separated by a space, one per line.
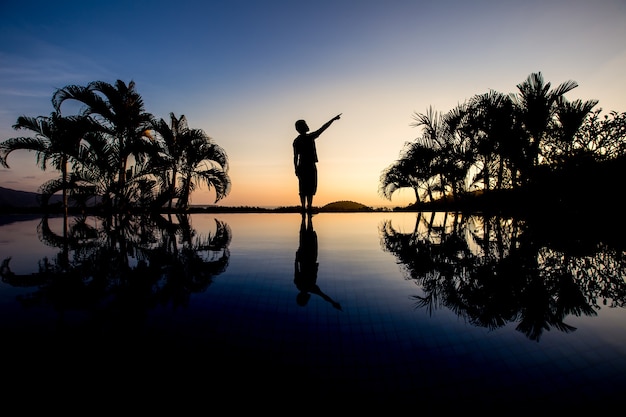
pixel 301 126
pixel 302 298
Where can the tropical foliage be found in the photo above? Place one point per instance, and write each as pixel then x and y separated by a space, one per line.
pixel 115 153
pixel 497 141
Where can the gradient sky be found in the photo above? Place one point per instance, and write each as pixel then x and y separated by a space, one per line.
pixel 245 71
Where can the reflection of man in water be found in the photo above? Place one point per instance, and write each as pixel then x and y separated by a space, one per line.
pixel 306 265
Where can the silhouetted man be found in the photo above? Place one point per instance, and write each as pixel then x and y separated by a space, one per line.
pixel 304 160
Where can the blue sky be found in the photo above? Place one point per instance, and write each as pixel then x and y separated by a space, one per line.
pixel 245 71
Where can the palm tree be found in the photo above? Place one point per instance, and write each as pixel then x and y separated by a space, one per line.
pixel 202 162
pixel 57 141
pixel 188 158
pixel 172 139
pixel 496 135
pixel 410 171
pixel 437 160
pixel 434 137
pixel 119 111
pixel 571 116
pixel 443 134
pixel 537 105
pixel 462 154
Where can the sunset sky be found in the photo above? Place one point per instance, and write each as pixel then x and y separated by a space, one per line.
pixel 244 71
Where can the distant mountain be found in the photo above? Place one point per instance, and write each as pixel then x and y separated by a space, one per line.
pixel 21 199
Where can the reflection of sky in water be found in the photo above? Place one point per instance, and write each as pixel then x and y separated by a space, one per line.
pixel 378 340
pixel 19 241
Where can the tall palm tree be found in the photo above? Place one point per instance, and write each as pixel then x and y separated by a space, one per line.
pixel 434 137
pixel 537 105
pixel 57 141
pixel 496 135
pixel 173 138
pixel 443 133
pixel 462 155
pixel 119 111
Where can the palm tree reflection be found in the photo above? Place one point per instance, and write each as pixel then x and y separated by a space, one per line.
pixel 306 265
pixel 124 265
pixel 493 271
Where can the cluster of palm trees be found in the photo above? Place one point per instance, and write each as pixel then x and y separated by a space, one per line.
pixel 495 141
pixel 118 156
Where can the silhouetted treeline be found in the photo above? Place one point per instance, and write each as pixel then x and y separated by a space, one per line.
pixel 117 157
pixel 513 152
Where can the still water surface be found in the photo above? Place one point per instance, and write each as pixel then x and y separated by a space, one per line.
pixel 426 309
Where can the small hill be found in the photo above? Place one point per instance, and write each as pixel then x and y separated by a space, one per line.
pixel 345 206
pixel 18 199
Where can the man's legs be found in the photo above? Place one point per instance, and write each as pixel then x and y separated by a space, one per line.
pixel 302 201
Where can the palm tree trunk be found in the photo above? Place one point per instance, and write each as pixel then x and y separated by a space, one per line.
pixel 500 176
pixel 65 204
pixel 417 194
pixel 121 183
pixel 64 188
pixel 183 199
pixel 442 183
pixel 486 173
pixel 172 190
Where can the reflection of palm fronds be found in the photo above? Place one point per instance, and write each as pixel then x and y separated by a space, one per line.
pixel 219 240
pixel 123 262
pixel 494 271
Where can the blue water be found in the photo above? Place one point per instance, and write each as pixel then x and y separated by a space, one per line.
pixel 356 337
